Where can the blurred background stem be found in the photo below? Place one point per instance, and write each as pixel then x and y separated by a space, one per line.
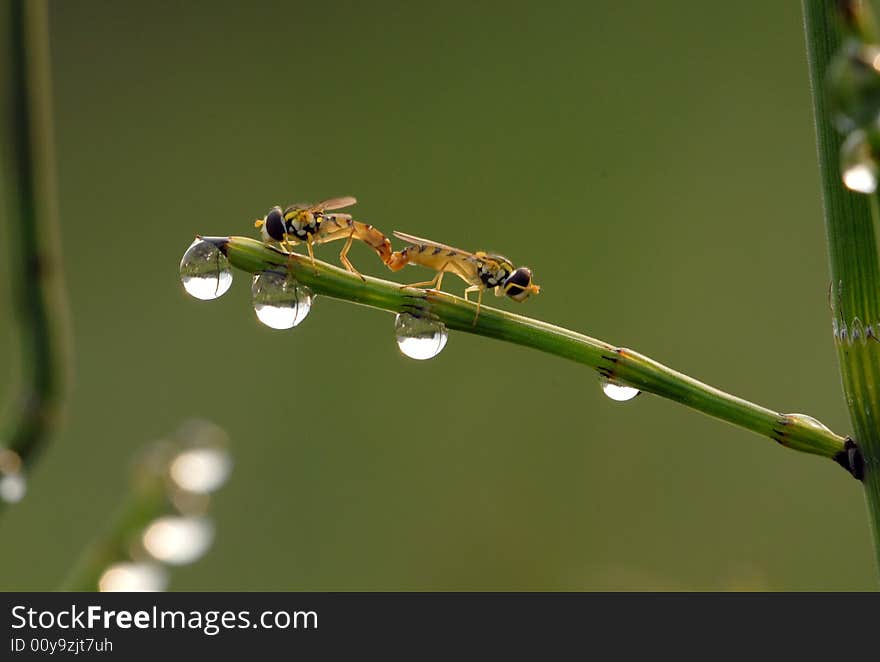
pixel 143 505
pixel 163 519
pixel 28 173
pixel 855 275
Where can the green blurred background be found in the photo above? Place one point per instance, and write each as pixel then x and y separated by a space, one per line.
pixel 654 164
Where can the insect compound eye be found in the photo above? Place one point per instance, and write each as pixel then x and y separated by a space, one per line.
pixel 275 224
pixel 518 284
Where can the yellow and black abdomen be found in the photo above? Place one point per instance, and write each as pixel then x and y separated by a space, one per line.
pixel 431 257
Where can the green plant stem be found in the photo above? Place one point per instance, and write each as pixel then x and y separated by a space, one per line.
pixel 620 365
pixel 29 185
pixel 855 272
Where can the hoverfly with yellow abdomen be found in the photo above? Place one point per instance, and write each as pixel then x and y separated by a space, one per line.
pixel 479 270
pixel 309 224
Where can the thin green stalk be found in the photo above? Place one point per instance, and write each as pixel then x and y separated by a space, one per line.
pixel 620 365
pixel 28 170
pixel 855 271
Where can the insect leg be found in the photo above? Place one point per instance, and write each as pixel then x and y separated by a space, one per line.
pixel 433 284
pixel 287 246
pixel 472 288
pixel 311 253
pixel 479 303
pixel 343 256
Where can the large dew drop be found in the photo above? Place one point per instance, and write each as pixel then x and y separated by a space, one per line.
pixel 419 338
pixel 618 392
pixel 857 163
pixel 280 302
pixel 205 271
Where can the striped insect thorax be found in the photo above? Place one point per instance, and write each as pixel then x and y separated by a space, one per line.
pixel 300 223
pixel 492 273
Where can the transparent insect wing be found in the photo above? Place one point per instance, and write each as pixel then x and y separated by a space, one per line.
pixel 500 260
pixel 418 241
pixel 333 203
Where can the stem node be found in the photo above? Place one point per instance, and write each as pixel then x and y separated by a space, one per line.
pixel 851 459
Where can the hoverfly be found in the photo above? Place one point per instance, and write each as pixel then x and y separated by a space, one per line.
pixel 309 224
pixel 479 270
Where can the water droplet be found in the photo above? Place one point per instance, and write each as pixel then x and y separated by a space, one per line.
pixel 860 178
pixel 618 392
pixel 178 540
pixel 807 420
pixel 130 577
pixel 13 487
pixel 201 470
pixel 857 163
pixel 205 271
pixel 280 301
pixel 419 338
pixel 13 484
pixel 199 432
pixel 854 85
